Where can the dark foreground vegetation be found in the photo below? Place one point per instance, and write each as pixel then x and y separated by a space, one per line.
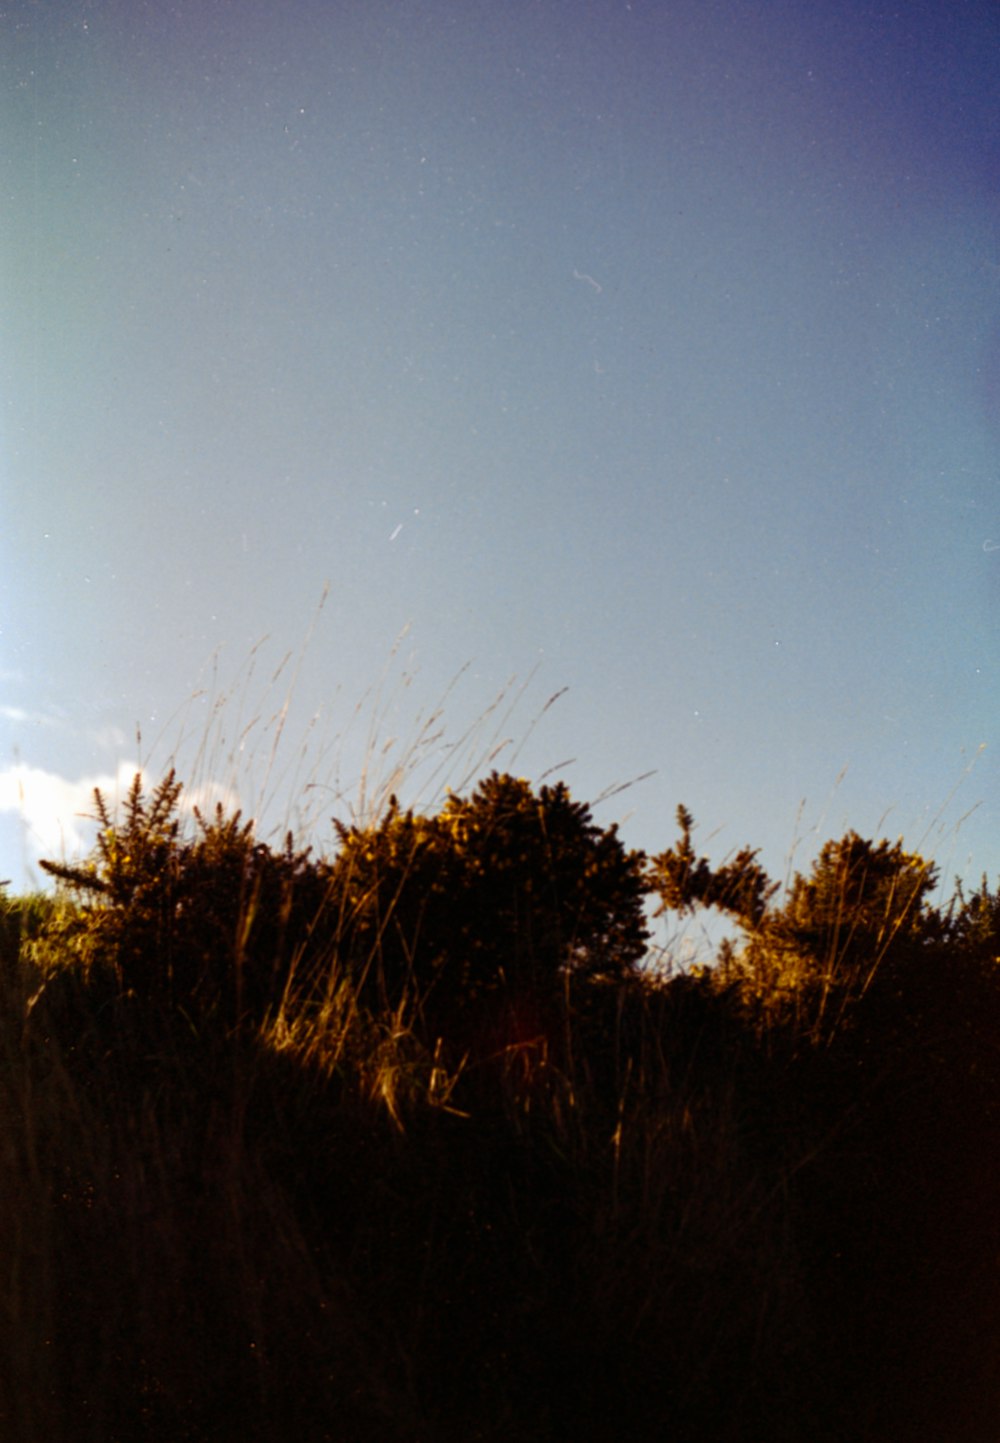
pixel 412 1144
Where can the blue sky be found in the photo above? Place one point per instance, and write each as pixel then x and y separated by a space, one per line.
pixel 645 351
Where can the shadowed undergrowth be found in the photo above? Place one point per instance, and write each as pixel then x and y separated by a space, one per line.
pixel 407 1144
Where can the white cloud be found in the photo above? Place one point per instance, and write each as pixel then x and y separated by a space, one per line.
pixel 18 714
pixel 59 814
pixel 56 811
pixel 109 738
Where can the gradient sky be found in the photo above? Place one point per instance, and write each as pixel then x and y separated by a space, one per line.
pixel 645 350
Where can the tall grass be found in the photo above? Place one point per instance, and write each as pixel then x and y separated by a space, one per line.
pixel 325 1226
pixel 755 1201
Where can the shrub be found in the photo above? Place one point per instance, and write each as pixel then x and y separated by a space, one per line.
pixel 503 891
pixel 21 920
pixel 214 926
pixel 973 924
pixel 683 881
pixel 861 898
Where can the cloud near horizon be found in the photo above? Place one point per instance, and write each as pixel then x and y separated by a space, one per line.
pixel 58 813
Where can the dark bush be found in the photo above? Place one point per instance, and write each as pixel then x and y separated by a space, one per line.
pixel 215 926
pixel 499 895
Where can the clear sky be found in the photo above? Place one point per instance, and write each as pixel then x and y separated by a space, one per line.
pixel 645 350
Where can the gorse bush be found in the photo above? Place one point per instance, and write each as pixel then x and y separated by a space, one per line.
pixel 860 914
pixel 860 899
pixel 972 923
pixel 684 881
pixel 405 1142
pixel 504 895
pixel 21 921
pixel 214 925
pixel 862 910
pixel 503 892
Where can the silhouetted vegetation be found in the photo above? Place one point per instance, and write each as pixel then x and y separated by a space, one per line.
pixel 408 1143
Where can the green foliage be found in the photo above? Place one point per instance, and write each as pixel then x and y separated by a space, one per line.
pixel 21 920
pixel 805 963
pixel 861 911
pixel 673 1221
pixel 504 889
pixel 860 899
pixel 213 925
pixel 683 880
pixel 973 925
pixel 126 890
pixel 393 888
